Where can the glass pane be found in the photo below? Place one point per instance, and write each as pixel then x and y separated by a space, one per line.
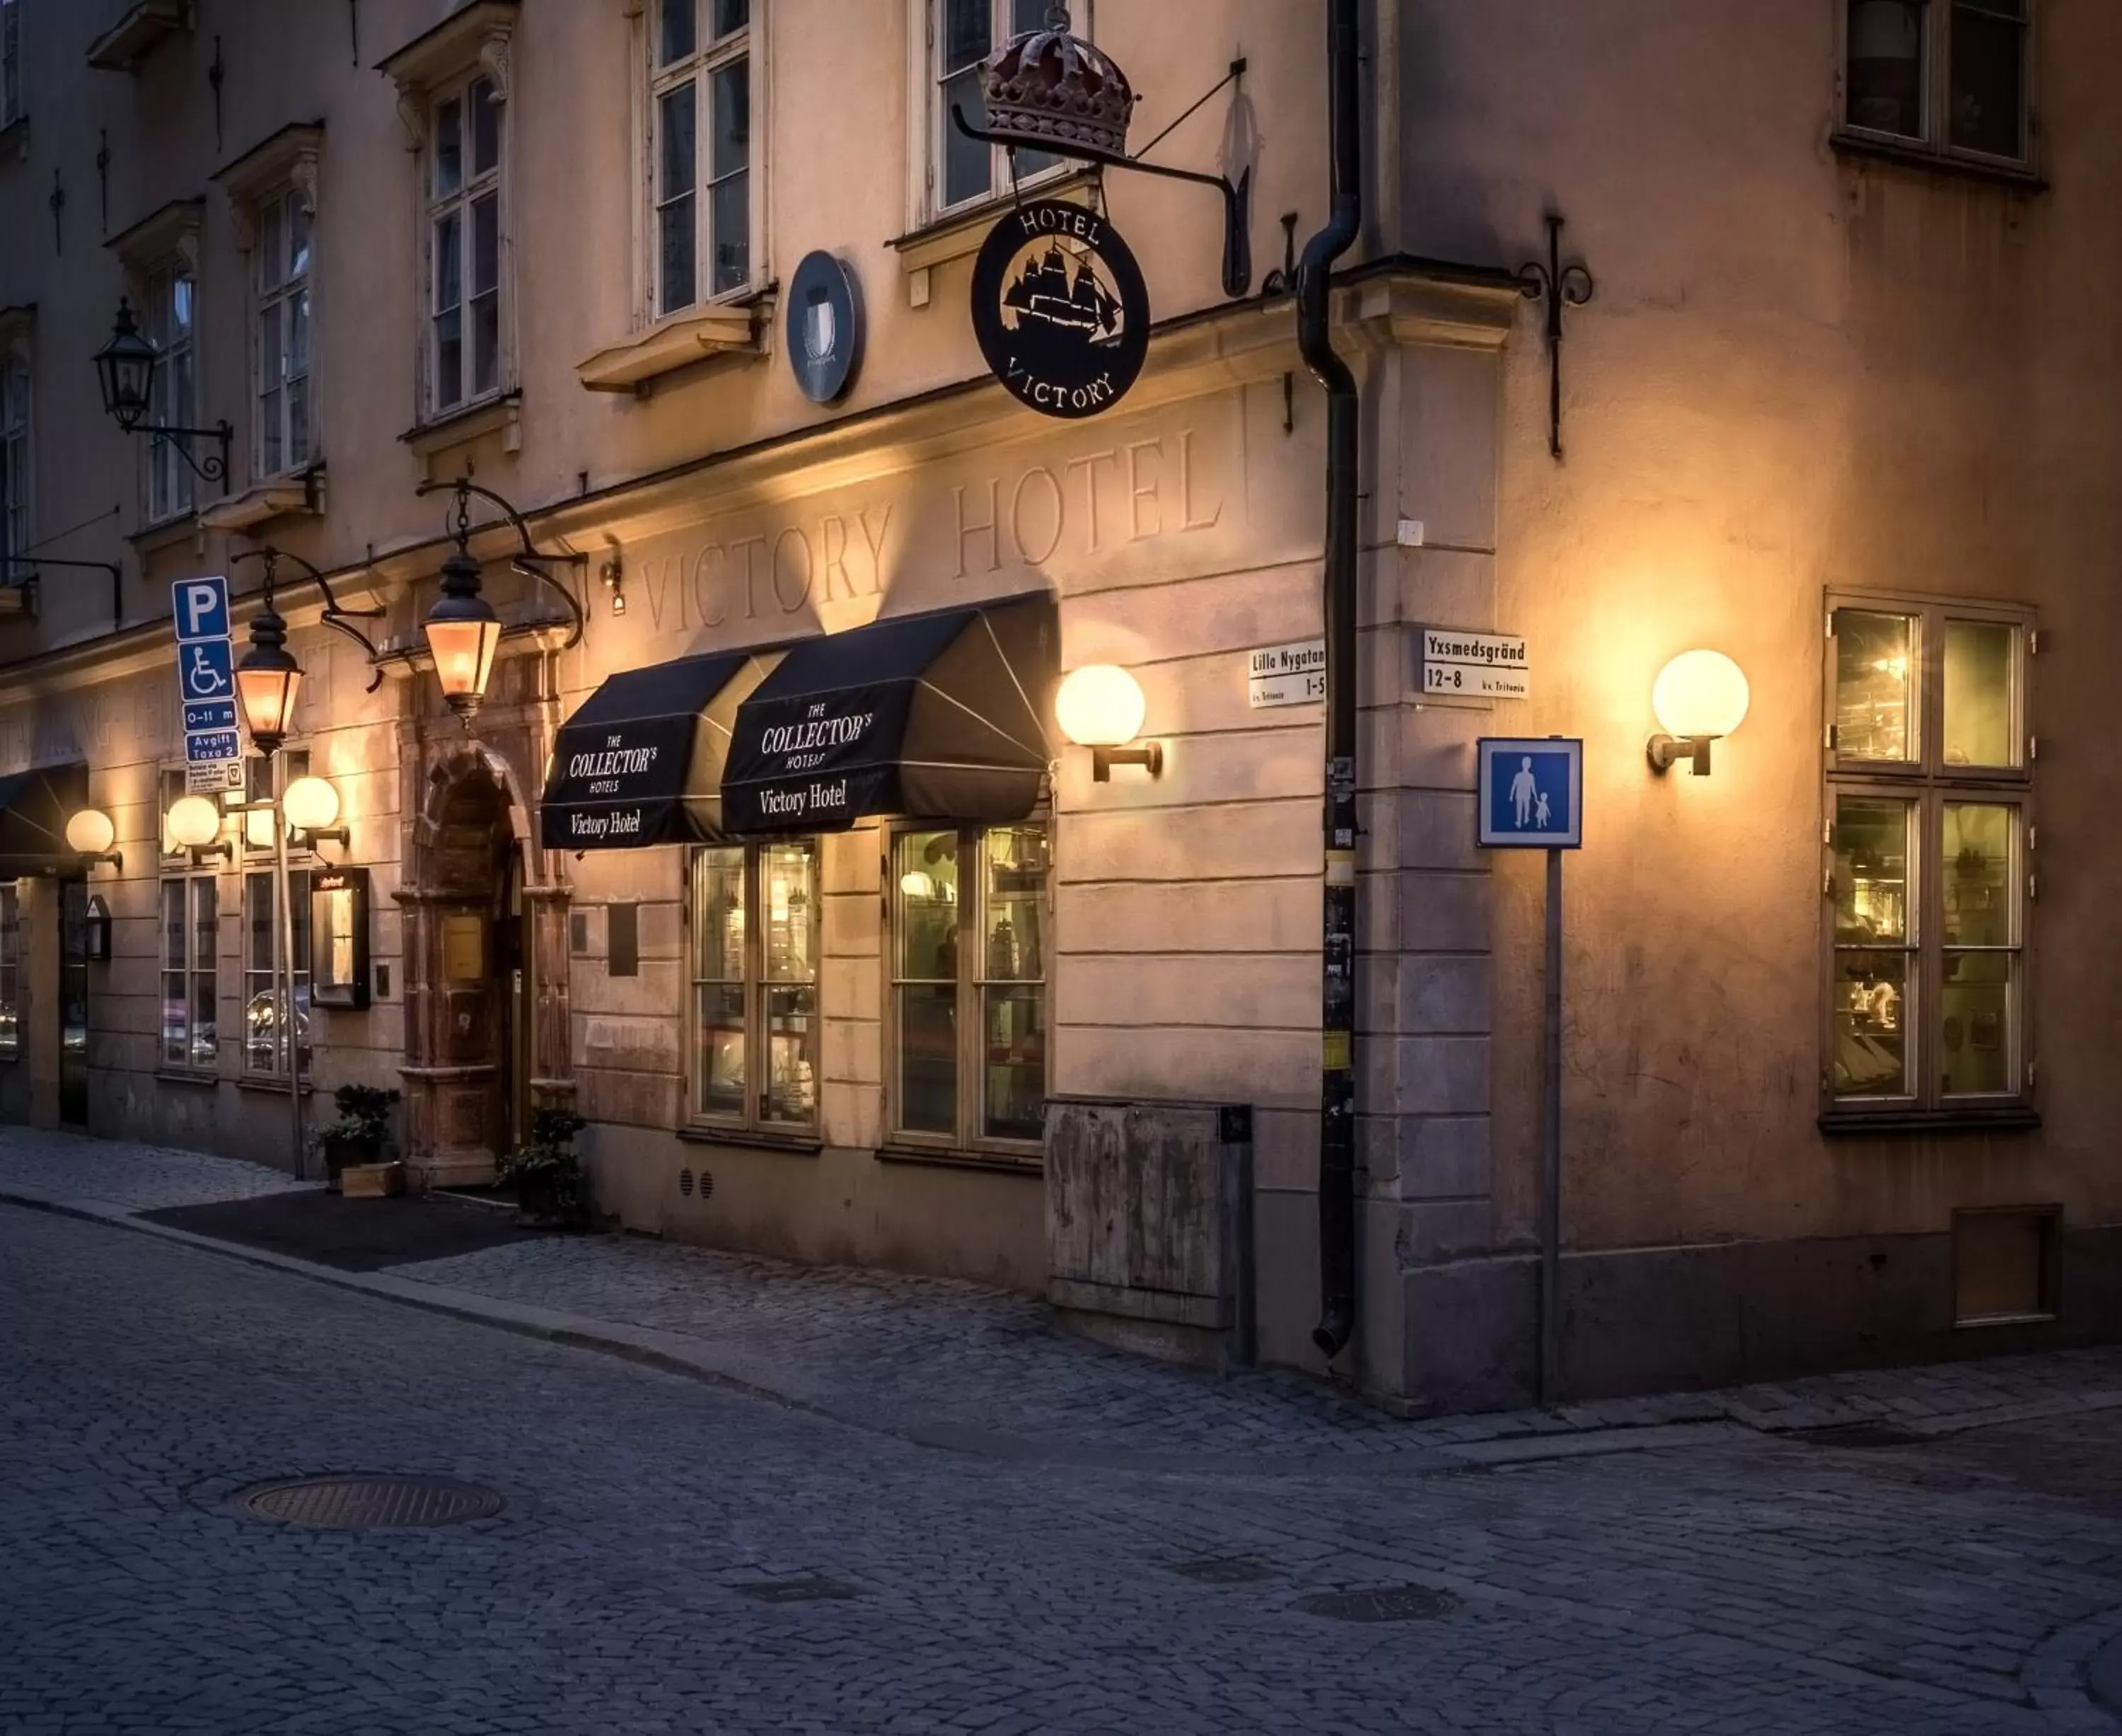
pixel 721 1059
pixel 1870 1005
pixel 676 39
pixel 258 920
pixel 1979 727
pixel 791 1091
pixel 719 915
pixel 298 238
pixel 731 211
pixel 1017 884
pixel 1887 62
pixel 261 1026
pixel 927 864
pixel 676 222
pixel 1875 660
pixel 1988 79
pixel 967 163
pixel 270 258
pixel 205 1041
pixel 967 32
pixel 298 424
pixel 449 146
pixel 298 333
pixel 1027 15
pixel 485 244
pixel 272 357
pixel 676 117
pixel 206 926
pixel 788 877
pixel 731 148
pixel 1979 909
pixel 485 128
pixel 1871 870
pixel 1016 1086
pixel 448 268
pixel 174 1038
pixel 173 924
pixel 731 16
pixel 928 1059
pixel 1025 163
pixel 1975 1024
pixel 271 441
pixel 486 342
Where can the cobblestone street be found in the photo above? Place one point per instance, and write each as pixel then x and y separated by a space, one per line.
pixel 673 1555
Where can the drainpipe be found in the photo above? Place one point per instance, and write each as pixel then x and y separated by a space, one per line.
pixel 1337 1077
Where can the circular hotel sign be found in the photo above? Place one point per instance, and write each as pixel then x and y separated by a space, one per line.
pixel 825 327
pixel 1060 309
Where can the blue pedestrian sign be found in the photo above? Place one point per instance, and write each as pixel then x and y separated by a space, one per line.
pixel 200 607
pixel 1531 793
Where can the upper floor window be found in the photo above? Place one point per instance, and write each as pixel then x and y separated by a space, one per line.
pixel 464 246
pixel 12 93
pixel 702 63
pixel 14 479
pixel 962 171
pixel 283 263
pixel 1930 842
pixel 1946 76
pixel 171 305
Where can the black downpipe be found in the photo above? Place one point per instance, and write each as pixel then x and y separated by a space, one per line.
pixel 1337 1079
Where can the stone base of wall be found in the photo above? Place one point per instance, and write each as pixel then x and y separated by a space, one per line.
pixel 1649 1320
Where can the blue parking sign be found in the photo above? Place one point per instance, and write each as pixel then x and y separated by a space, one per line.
pixel 200 608
pixel 1531 793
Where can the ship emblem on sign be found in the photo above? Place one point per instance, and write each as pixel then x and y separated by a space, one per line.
pixel 1060 309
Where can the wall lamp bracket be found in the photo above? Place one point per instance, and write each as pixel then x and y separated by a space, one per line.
pixel 1666 751
pixel 339 619
pixel 309 837
pixel 201 852
pixel 105 858
pixel 1149 755
pixel 529 561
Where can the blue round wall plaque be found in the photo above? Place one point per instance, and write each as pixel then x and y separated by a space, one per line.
pixel 825 327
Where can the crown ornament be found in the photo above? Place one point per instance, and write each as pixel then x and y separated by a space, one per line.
pixel 1050 90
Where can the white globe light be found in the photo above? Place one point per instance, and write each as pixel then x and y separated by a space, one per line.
pixel 918 887
pixel 90 832
pixel 258 828
pixel 310 804
pixel 1700 695
pixel 1100 706
pixel 193 822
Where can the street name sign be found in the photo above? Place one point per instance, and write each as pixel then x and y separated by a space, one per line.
pixel 1463 665
pixel 1294 674
pixel 206 685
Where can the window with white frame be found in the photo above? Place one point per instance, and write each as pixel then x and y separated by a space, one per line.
pixel 12 89
pixel 1930 842
pixel 171 299
pixel 464 276
pixel 282 259
pixel 10 971
pixel 754 969
pixel 1949 77
pixel 264 1030
pixel 964 172
pixel 16 483
pixel 702 63
pixel 967 1013
pixel 190 983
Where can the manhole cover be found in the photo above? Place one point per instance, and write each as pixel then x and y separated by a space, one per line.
pixel 369 1503
pixel 1389 1603
pixel 811 1590
pixel 1224 1570
pixel 1863 1435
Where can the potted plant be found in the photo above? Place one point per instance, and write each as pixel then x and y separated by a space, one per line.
pixel 361 1131
pixel 545 1170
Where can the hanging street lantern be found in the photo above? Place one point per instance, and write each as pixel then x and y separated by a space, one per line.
pixel 268 679
pixel 463 633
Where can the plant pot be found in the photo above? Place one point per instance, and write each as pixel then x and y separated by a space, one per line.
pixel 342 1154
pixel 540 1196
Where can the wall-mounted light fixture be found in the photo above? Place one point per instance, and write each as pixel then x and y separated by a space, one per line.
pixel 1101 707
pixel 1700 697
pixel 125 369
pixel 612 576
pixel 311 806
pixel 194 824
pixel 95 931
pixel 89 834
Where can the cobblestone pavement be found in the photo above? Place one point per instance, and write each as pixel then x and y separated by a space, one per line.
pixel 1745 1583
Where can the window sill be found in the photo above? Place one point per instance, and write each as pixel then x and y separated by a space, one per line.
pixel 2027 179
pixel 698 335
pixel 1990 1322
pixel 167 533
pixel 185 1076
pixel 143 26
pixel 797 1144
pixel 272 1087
pixel 497 413
pixel 944 1157
pixel 301 492
pixel 960 235
pixel 1902 1123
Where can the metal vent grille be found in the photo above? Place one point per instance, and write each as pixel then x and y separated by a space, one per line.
pixel 685 1182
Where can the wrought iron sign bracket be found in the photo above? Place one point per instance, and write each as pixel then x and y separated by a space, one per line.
pixel 339 619
pixel 23 569
pixel 1559 286
pixel 208 469
pixel 1238 196
pixel 529 561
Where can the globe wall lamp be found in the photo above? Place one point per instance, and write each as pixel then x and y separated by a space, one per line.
pixel 89 835
pixel 311 807
pixel 462 631
pixel 125 369
pixel 1699 697
pixel 194 824
pixel 1101 707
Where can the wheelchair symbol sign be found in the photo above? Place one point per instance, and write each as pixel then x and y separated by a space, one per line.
pixel 208 669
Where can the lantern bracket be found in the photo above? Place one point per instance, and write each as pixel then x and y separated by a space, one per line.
pixel 529 561
pixel 1238 195
pixel 335 616
pixel 208 469
pixel 21 570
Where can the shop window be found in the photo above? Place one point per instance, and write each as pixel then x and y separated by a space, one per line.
pixel 967 1013
pixel 1948 77
pixel 14 475
pixel 172 321
pixel 755 931
pixel 464 246
pixel 704 66
pixel 1930 845
pixel 962 173
pixel 282 258
pixel 13 87
pixel 11 972
pixel 190 988
pixel 264 1029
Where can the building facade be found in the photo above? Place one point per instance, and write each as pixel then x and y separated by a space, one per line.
pixel 1836 406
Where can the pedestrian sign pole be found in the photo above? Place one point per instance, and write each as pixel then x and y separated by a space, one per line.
pixel 1531 798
